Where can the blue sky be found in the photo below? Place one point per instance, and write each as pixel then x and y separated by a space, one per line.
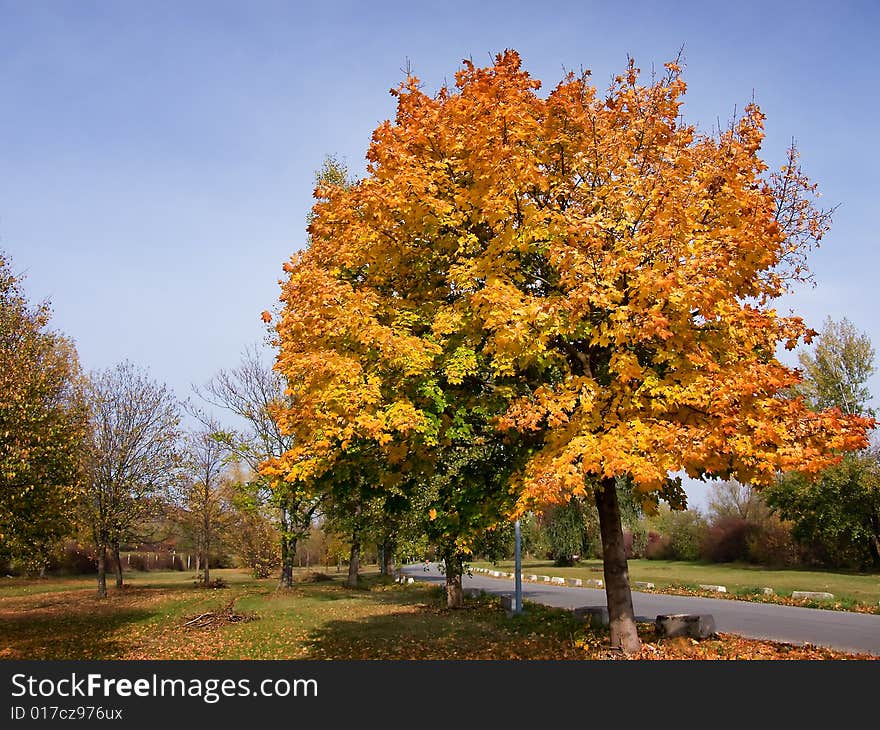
pixel 158 158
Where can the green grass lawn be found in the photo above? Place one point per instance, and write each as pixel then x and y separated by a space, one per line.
pixel 62 618
pixel 164 615
pixel 737 577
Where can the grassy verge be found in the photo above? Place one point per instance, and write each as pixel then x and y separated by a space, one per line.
pixel 856 592
pixel 165 616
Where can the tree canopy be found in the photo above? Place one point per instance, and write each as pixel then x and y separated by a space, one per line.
pixel 43 425
pixel 583 274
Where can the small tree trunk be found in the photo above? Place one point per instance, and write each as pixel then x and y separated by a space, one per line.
pixel 874 539
pixel 624 636
pixel 354 561
pixel 102 571
pixel 118 565
pixel 207 578
pixel 388 557
pixel 198 562
pixel 454 568
pixel 288 551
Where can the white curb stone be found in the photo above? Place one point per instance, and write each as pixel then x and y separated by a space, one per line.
pixel 716 589
pixel 596 616
pixel 817 595
pixel 695 626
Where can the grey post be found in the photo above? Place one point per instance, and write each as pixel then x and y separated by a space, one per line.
pixel 517 570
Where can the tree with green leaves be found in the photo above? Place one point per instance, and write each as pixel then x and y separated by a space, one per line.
pixel 43 427
pixel 567 531
pixel 836 373
pixel 837 517
pixel 253 528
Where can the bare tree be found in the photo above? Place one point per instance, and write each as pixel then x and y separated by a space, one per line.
pixel 204 492
pixel 253 391
pixel 734 499
pixel 134 458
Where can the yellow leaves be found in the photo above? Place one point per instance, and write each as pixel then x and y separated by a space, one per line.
pixel 432 514
pixel 446 321
pixel 461 364
pixel 402 416
pixel 626 366
pixel 611 266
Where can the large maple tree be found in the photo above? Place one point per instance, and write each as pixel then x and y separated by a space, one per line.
pixel 585 274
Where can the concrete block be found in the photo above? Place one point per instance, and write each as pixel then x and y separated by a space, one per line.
pixel 410 580
pixel 595 616
pixel 557 580
pixel 693 626
pixel 531 577
pixel 576 582
pixel 594 583
pixel 544 578
pixel 643 584
pixel 508 603
pixel 815 595
pixel 768 591
pixel 716 589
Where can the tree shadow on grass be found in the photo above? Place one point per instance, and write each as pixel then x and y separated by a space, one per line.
pixel 431 632
pixel 66 636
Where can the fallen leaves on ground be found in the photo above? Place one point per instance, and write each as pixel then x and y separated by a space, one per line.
pixel 325 620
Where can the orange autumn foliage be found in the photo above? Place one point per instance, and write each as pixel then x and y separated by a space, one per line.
pixel 604 268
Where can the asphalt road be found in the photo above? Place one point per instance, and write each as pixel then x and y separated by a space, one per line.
pixel 842 630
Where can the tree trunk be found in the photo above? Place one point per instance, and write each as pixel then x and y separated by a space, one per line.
pixel 624 636
pixel 102 571
pixel 354 561
pixel 207 578
pixel 874 539
pixel 288 551
pixel 198 562
pixel 454 568
pixel 388 557
pixel 118 562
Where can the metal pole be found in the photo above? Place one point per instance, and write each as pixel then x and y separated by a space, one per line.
pixel 517 570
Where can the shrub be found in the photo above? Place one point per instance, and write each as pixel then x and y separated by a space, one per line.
pixel 635 541
pixel 656 546
pixel 72 559
pixel 137 561
pixel 727 540
pixel 682 534
pixel 773 545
